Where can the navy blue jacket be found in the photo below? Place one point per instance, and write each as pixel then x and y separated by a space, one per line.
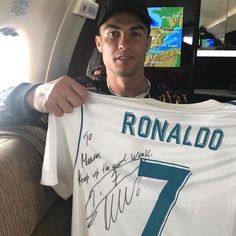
pixel 14 110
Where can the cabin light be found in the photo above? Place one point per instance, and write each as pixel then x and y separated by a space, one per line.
pixel 216 53
pixel 188 40
pixel 13 58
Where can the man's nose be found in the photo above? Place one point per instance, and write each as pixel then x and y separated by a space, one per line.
pixel 124 42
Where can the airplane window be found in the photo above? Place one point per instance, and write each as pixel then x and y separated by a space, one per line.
pixel 13 58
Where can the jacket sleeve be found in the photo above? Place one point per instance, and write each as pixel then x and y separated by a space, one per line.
pixel 13 108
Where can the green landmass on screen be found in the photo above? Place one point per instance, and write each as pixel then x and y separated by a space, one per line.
pixel 171 58
pixel 171 17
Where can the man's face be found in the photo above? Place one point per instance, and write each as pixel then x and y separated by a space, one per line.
pixel 123 41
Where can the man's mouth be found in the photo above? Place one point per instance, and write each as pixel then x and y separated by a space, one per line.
pixel 123 58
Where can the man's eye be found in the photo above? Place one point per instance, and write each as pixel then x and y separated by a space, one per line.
pixel 137 34
pixel 113 34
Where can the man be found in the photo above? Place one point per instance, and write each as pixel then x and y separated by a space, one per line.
pixel 138 166
pixel 123 41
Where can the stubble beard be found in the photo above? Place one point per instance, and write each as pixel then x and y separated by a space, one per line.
pixel 129 72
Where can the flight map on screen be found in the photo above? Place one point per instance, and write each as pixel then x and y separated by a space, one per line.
pixel 166 33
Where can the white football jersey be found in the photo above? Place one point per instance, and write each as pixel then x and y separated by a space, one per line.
pixel 141 167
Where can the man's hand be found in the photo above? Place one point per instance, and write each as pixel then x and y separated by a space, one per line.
pixel 58 97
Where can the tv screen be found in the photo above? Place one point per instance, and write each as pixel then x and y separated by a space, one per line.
pixel 166 33
pixel 208 43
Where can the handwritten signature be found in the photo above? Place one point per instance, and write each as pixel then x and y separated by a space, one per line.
pixel 120 189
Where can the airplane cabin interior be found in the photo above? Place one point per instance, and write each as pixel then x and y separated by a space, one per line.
pixel 43 40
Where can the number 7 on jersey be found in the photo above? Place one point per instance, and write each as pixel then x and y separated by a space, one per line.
pixel 176 177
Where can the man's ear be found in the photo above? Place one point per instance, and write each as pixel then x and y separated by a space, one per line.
pixel 98 43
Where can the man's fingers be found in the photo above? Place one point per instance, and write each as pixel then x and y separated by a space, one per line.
pixel 76 99
pixel 56 110
pixel 65 96
pixel 58 97
pixel 79 90
pixel 58 107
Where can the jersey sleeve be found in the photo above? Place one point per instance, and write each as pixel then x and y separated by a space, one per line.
pixel 57 170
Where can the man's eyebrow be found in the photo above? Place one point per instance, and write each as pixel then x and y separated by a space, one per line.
pixel 138 27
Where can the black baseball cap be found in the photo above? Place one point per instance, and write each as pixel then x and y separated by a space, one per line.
pixel 109 7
